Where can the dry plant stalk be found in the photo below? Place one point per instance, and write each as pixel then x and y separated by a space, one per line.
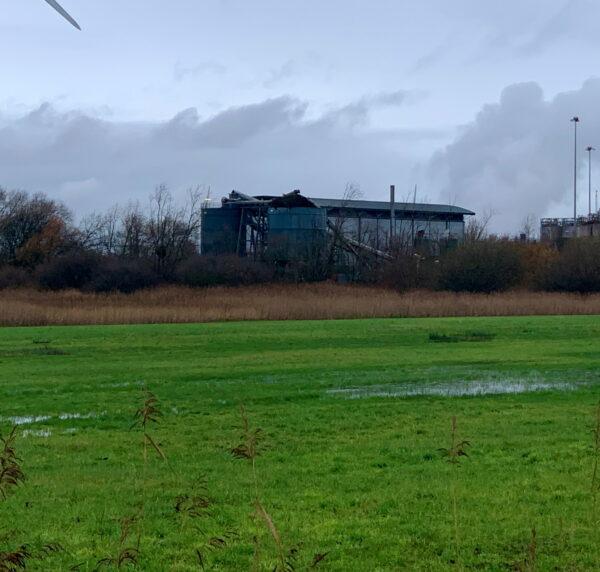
pixel 11 476
pixel 124 555
pixel 11 472
pixel 12 561
pixel 532 552
pixel 457 450
pixel 596 434
pixel 249 450
pixel 197 507
pixel 530 562
pixel 149 413
pixel 15 560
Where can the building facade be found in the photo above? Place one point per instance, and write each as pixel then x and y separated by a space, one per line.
pixel 295 225
pixel 555 231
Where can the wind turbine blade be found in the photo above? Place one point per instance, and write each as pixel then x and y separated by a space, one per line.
pixel 63 12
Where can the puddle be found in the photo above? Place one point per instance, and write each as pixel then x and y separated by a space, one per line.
pixel 31 419
pixel 26 420
pixel 122 384
pixel 65 416
pixel 45 433
pixel 453 389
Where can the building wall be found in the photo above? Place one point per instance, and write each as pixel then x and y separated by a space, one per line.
pixel 554 231
pixel 376 231
pixel 296 226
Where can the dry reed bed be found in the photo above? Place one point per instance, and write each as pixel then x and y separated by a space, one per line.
pixel 274 302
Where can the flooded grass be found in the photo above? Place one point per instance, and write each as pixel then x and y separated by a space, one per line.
pixel 462 388
pixel 32 419
pixel 43 433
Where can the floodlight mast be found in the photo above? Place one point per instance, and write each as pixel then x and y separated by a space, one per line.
pixel 575 121
pixel 589 150
pixel 63 13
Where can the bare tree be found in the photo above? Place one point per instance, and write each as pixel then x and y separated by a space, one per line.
pixel 529 227
pixel 477 228
pixel 339 225
pixel 165 232
pixel 101 232
pixel 172 231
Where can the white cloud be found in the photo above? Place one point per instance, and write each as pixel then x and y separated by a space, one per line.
pixel 516 156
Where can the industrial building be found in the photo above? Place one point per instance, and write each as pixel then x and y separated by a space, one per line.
pixel 293 225
pixel 555 231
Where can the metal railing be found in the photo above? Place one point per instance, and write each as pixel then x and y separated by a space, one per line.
pixel 581 220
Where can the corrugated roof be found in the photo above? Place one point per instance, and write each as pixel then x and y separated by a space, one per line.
pixel 385 206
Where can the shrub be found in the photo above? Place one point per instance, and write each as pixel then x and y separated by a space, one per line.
pixel 577 267
pixel 482 266
pixel 13 277
pixel 72 270
pixel 407 272
pixel 537 260
pixel 123 275
pixel 226 270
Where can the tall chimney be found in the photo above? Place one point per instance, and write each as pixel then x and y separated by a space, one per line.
pixel 392 210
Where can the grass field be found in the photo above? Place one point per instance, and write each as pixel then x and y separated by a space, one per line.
pixel 354 414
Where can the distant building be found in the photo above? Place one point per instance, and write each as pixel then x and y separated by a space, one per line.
pixel 557 230
pixel 295 225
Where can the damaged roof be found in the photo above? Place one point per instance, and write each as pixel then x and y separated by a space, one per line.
pixel 296 199
pixel 385 206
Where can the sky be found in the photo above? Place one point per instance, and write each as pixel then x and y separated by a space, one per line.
pixel 470 101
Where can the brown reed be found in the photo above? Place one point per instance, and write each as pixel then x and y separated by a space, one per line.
pixel 175 304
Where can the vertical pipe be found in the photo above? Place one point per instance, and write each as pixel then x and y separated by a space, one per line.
pixel 392 211
pixel 575 179
pixel 589 150
pixel 590 181
pixel 575 120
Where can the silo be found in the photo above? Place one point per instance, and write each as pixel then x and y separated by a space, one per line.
pixel 298 232
pixel 220 231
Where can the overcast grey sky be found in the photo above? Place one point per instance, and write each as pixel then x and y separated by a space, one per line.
pixel 469 100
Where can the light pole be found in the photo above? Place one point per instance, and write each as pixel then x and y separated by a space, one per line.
pixel 589 150
pixel 575 121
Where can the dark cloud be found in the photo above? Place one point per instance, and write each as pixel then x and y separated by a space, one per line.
pixel 231 127
pixel 267 147
pixel 516 157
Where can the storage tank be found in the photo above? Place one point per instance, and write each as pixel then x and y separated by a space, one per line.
pixel 220 231
pixel 296 232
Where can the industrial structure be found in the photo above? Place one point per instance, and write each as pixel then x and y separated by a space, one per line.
pixel 556 231
pixel 293 226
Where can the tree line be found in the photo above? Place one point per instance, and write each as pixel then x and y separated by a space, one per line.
pixel 140 246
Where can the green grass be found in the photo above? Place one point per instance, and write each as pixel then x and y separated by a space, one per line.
pixel 361 479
